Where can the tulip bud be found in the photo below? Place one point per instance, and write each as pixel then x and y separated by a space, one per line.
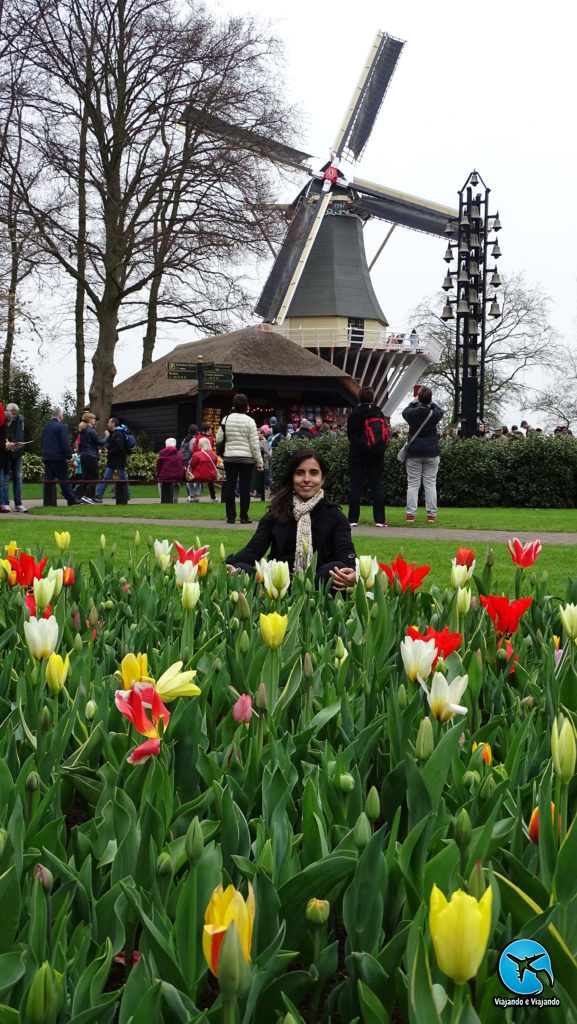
pixel 243 607
pixel 402 699
pixel 232 967
pixel 471 778
pixel 346 783
pixel 533 579
pixel 488 788
pixel 93 616
pixel 137 539
pixel 90 710
pixel 528 702
pixel 190 595
pixel 32 782
pixel 77 643
pixel 113 548
pixel 261 700
pixel 340 648
pixel 150 540
pixel 397 586
pixel 476 884
pixel 362 831
pixel 309 588
pixel 243 643
pixel 194 842
pixel 45 877
pixel 308 668
pixel 318 911
pixel 222 552
pixel 102 542
pixel 425 743
pixel 76 623
pixel 441 666
pixel 502 656
pixel 463 600
pixel 3 838
pixel 46 720
pixel 234 624
pixel 563 750
pixel 289 1019
pixel 373 804
pixel 266 859
pixel 462 829
pixel 41 1000
pixel 490 559
pixel 164 864
pixel 233 596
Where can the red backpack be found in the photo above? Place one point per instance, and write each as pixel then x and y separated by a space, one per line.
pixel 375 434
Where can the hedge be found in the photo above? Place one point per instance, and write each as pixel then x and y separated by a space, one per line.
pixel 141 466
pixel 536 472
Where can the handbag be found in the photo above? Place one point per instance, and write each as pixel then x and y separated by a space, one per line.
pixel 220 445
pixel 403 453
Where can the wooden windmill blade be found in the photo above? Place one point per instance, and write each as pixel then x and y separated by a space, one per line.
pixel 368 96
pixel 246 139
pixel 401 208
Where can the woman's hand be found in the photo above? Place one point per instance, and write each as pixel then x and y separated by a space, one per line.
pixel 343 579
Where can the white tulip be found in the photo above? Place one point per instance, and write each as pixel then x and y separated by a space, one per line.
pixel 366 568
pixel 463 600
pixel 185 572
pixel 443 696
pixel 190 594
pixel 41 636
pixel 57 575
pixel 569 619
pixel 459 574
pixel 276 577
pixel 43 591
pixel 418 657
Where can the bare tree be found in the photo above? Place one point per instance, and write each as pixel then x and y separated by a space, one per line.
pixel 558 399
pixel 520 341
pixel 162 201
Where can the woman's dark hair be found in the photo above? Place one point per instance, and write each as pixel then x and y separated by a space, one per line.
pixel 240 403
pixel 425 396
pixel 192 431
pixel 281 506
pixel 366 395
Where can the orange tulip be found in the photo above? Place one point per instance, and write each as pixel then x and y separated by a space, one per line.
pixel 534 823
pixel 485 751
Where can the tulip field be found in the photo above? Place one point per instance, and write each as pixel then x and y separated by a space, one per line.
pixel 235 799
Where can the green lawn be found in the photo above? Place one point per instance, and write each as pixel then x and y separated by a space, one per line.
pixel 560 563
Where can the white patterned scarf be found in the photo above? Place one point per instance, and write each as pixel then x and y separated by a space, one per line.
pixel 304 545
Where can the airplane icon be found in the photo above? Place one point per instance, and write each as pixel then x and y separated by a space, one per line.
pixel 526 964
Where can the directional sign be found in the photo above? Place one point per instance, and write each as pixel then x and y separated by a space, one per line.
pixel 217 377
pixel 186 371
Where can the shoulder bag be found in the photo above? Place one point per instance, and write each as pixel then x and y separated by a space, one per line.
pixel 220 445
pixel 403 452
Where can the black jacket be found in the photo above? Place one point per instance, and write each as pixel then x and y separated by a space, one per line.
pixel 356 427
pixel 331 535
pixel 116 449
pixel 16 433
pixel 88 444
pixel 427 443
pixel 305 432
pixel 55 442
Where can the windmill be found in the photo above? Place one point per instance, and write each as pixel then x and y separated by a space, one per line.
pixel 319 291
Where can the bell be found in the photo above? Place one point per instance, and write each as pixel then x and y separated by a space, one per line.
pixel 472 357
pixel 463 277
pixel 474 180
pixel 463 248
pixel 447 313
pixel 474 268
pixel 474 241
pixel 448 255
pixel 496 223
pixel 496 251
pixel 448 282
pixel 473 327
pixel 464 222
pixel 463 306
pixel 494 310
pixel 473 295
pixel 449 228
pixel 475 212
pixel 496 280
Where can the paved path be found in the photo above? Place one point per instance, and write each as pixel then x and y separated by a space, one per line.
pixel 418 532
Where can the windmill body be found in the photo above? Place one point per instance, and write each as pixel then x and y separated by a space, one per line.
pixel 319 291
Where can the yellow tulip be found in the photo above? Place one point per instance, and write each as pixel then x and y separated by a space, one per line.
pixel 5 569
pixel 173 683
pixel 273 628
pixel 56 672
pixel 62 539
pixel 563 749
pixel 11 549
pixel 224 907
pixel 190 595
pixel 203 567
pixel 58 576
pixel 460 932
pixel 133 669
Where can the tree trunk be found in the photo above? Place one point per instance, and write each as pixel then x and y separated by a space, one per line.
pixel 103 368
pixel 149 340
pixel 12 289
pixel 81 267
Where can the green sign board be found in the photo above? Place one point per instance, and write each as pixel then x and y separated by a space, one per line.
pixel 210 376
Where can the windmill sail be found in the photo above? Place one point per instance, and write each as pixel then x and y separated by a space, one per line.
pixel 245 138
pixel 368 96
pixel 400 208
pixel 279 279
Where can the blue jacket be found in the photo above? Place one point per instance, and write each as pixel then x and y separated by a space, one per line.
pixel 55 442
pixel 427 443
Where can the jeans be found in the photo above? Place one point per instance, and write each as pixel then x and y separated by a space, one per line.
pixel 244 472
pixel 15 474
pixel 108 475
pixel 57 469
pixel 422 470
pixel 373 464
pixel 4 492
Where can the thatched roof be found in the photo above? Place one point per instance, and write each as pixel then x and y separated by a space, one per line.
pixel 252 351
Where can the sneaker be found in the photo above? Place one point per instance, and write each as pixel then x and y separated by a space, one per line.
pixel 87 501
pixel 214 499
pixel 409 519
pixel 353 524
pixel 97 501
pixel 231 521
pixel 190 498
pixel 4 508
pixel 381 525
pixel 20 508
pixel 431 519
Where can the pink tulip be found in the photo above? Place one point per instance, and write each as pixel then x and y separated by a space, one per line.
pixel 242 710
pixel 523 555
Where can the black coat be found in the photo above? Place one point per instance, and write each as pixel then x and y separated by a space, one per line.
pixel 331 535
pixel 305 432
pixel 88 445
pixel 356 428
pixel 55 442
pixel 427 443
pixel 116 450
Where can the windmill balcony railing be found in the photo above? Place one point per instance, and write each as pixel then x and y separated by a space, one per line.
pixel 379 340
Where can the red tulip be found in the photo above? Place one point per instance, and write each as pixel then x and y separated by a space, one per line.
pixel 407 574
pixel 133 706
pixel 505 613
pixel 68 576
pixel 445 641
pixel 524 555
pixel 242 710
pixel 189 554
pixel 26 569
pixel 465 556
pixel 151 748
pixel 534 823
pixel 509 650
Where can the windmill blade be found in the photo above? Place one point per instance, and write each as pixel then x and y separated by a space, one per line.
pixel 245 138
pixel 289 265
pixel 368 96
pixel 401 208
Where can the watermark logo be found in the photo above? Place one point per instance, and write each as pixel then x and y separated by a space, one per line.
pixel 520 965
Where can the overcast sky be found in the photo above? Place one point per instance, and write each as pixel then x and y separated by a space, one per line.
pixel 489 86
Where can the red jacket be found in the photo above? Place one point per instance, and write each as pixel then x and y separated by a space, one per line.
pixel 203 465
pixel 170 466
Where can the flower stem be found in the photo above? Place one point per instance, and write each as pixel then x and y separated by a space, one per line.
pixel 457 1003
pixel 228 1011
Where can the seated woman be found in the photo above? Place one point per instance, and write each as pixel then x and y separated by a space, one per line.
pixel 302 521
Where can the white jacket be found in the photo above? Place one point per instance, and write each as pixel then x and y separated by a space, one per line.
pixel 241 438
